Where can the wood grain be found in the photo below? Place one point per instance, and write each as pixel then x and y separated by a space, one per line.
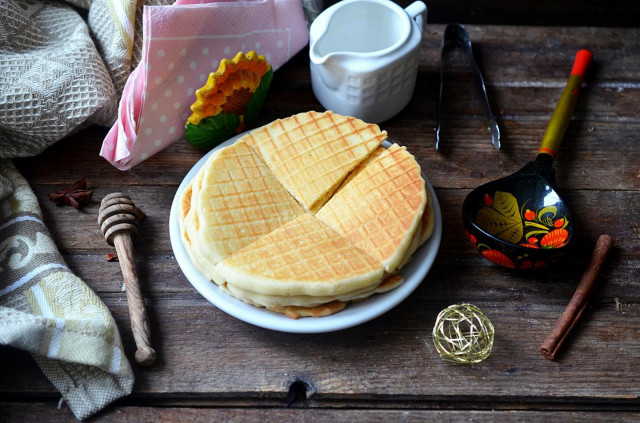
pixel 541 12
pixel 124 414
pixel 212 366
pixel 118 218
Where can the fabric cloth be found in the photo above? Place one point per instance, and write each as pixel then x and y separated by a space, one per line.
pixel 52 79
pixel 60 72
pixel 182 44
pixel 48 311
pixel 64 66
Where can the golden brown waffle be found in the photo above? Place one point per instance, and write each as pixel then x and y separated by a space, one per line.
pixel 380 208
pixel 189 225
pixel 243 228
pixel 303 257
pixel 270 301
pixel 312 153
pixel 234 201
pixel 188 221
pixel 310 305
pixel 326 309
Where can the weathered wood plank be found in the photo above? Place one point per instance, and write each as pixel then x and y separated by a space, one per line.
pixel 595 211
pixel 47 412
pixel 517 53
pixel 546 12
pixel 207 358
pixel 217 355
pixel 524 80
pixel 218 361
pixel 594 155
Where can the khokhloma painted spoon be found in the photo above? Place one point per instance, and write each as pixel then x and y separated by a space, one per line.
pixel 520 221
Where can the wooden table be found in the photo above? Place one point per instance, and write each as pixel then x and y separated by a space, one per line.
pixel 212 366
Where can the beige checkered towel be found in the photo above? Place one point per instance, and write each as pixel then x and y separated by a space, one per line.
pixel 63 66
pixel 60 72
pixel 48 311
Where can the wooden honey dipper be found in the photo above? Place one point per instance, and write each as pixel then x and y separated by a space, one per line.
pixel 118 219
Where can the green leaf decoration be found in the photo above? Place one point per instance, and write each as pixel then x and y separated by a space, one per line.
pixel 536 225
pixel 547 214
pixel 212 130
pixel 540 232
pixel 258 98
pixel 503 219
pixel 506 204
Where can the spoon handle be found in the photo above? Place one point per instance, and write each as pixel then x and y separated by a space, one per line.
pixel 564 109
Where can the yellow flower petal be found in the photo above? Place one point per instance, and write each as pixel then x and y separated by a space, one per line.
pixel 234 82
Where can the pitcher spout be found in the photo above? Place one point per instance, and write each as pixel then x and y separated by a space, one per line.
pixel 316 56
pixel 327 68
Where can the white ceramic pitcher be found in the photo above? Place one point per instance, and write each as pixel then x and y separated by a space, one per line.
pixel 364 57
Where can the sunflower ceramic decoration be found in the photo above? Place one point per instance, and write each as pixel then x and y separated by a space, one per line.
pixel 230 100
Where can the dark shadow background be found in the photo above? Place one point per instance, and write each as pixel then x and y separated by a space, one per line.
pixel 604 13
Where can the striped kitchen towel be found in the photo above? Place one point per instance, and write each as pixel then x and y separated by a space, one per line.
pixel 48 311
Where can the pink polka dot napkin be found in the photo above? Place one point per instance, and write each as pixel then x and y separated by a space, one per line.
pixel 182 44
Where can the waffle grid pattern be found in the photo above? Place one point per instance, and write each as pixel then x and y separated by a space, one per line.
pixel 378 207
pixel 311 153
pixel 240 201
pixel 304 247
pixel 254 228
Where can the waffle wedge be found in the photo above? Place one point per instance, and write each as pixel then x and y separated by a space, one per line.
pixel 304 257
pixel 379 209
pixel 423 233
pixel 188 221
pixel 312 153
pixel 310 301
pixel 232 201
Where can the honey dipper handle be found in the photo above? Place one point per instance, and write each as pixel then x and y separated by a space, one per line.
pixel 145 355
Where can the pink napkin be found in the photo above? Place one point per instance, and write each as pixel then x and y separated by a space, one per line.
pixel 182 44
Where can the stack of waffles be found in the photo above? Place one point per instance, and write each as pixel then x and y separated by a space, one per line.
pixel 305 214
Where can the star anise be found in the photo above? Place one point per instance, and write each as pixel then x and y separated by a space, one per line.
pixel 77 195
pixel 111 257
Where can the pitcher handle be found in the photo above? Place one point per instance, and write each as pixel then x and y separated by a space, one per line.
pixel 418 11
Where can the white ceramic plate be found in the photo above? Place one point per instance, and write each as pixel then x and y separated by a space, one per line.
pixel 354 314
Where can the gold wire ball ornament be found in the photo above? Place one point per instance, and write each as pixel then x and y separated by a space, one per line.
pixel 463 334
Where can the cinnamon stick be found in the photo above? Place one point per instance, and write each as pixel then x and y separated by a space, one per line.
pixel 579 301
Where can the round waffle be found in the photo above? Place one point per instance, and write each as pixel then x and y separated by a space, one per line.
pixel 287 220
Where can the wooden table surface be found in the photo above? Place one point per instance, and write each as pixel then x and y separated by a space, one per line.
pixel 212 366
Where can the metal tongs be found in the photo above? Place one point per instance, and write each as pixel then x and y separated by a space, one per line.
pixel 456 34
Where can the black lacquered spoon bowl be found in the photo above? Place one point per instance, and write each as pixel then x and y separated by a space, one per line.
pixel 520 221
